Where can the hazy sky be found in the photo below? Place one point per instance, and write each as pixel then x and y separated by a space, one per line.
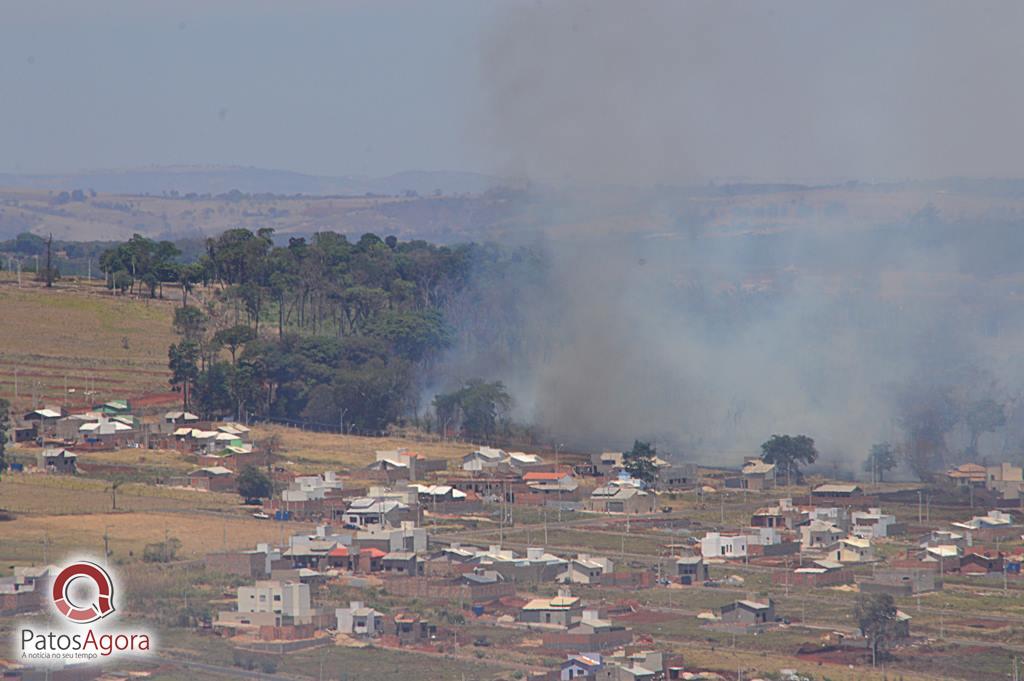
pixel 622 91
pixel 324 87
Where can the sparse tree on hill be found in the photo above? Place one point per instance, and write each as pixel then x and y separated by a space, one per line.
pixel 927 415
pixel 883 457
pixel 49 262
pixel 183 361
pixel 876 616
pixel 190 323
pixel 982 416
pixel 254 485
pixel 269 446
pixel 234 337
pixel 787 452
pixel 114 486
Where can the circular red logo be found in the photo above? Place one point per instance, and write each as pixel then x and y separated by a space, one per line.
pixel 78 613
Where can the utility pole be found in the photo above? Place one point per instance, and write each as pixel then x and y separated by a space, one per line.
pixel 920 519
pixel 557 447
pixel 49 262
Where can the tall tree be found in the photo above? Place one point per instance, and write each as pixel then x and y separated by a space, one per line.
pixel 49 261
pixel 788 452
pixel 876 616
pixel 478 406
pixel 183 361
pixel 927 414
pixel 190 323
pixel 883 457
pixel 234 337
pixel 253 485
pixel 982 416
pixel 639 461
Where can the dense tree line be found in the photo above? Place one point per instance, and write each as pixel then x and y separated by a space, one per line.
pixel 329 331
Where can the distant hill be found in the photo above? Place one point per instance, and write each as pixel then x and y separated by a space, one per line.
pixel 158 180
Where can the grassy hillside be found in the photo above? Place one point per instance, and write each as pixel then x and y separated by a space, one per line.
pixel 116 347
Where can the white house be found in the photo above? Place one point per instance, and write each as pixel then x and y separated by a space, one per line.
pixel 359 620
pixel 585 569
pixel 286 599
pixel 871 523
pixel 991 519
pixel 831 514
pixel 819 534
pixel 373 512
pixel 715 544
pixel 311 487
pixel 853 550
pixel 483 459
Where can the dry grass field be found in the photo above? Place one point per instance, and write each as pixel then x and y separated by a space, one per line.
pixel 157 459
pixel 79 333
pixel 56 515
pixel 316 451
pixel 33 538
pixel 78 496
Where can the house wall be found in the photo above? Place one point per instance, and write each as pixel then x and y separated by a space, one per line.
pixel 558 617
pixel 432 589
pixel 287 632
pixel 602 640
pixel 812 579
pixel 238 563
pixel 19 602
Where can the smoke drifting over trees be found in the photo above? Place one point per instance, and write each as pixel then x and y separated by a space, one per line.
pixel 707 318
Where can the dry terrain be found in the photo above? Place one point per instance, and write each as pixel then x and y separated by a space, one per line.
pixel 312 451
pixel 79 335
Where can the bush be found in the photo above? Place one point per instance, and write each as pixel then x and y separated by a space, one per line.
pixel 161 552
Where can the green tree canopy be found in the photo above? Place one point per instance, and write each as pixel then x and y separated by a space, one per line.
pixel 253 485
pixel 788 452
pixel 639 461
pixel 478 407
pixel 876 617
pixel 234 337
pixel 883 457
